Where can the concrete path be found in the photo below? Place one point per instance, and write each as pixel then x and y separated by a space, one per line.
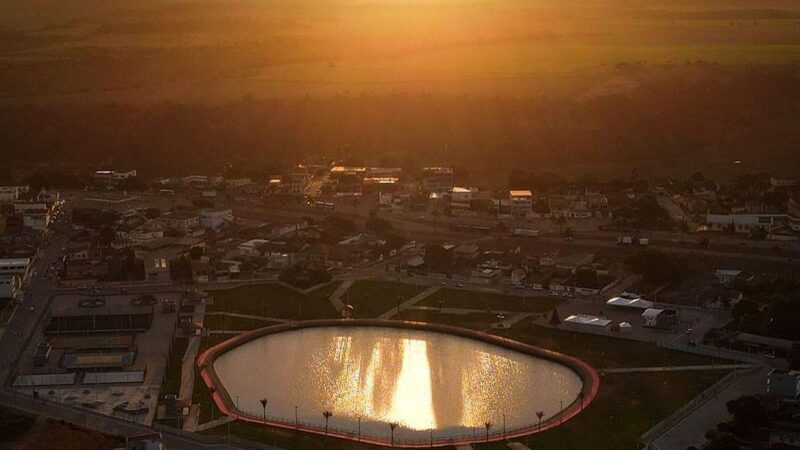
pixel 230 332
pixel 410 302
pixel 518 446
pixel 679 368
pixel 336 297
pixel 692 429
pixel 214 423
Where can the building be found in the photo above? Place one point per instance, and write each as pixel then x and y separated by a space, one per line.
pixel 437 179
pixel 14 266
pixel 104 176
pixel 461 197
pixel 151 441
pixel 9 193
pixel 215 219
pixel 782 183
pixel 662 319
pixel 181 221
pixel 784 383
pixel 521 203
pixel 587 323
pixel 252 247
pixel 744 223
pixel 237 182
pixel 37 219
pixel 635 303
pixel 9 286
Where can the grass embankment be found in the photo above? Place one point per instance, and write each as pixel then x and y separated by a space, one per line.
pixel 371 298
pixel 274 300
pixel 458 298
pixel 234 323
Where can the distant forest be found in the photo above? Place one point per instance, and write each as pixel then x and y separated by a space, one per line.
pixel 715 112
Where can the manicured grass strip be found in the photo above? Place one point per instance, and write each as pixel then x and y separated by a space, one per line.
pixel 458 298
pixel 274 300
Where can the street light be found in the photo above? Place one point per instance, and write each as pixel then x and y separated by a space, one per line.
pixel 327 415
pixel 487 425
pixel 264 408
pixel 392 426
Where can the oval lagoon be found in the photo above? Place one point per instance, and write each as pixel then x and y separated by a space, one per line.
pixel 369 377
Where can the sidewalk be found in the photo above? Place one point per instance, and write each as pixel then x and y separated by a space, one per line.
pixel 410 302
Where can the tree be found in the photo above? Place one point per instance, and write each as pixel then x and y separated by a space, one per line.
pixel 554 319
pixel 152 213
pixel 586 277
pixel 437 257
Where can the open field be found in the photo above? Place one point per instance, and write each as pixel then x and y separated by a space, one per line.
pixel 218 51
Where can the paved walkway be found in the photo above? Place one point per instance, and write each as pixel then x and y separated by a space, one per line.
pixel 410 302
pixel 336 297
pixel 679 368
pixel 213 423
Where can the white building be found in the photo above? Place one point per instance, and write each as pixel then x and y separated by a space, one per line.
pixel 461 197
pixel 123 175
pixel 9 286
pixel 215 219
pixel 36 219
pixel 14 266
pixel 521 203
pixel 776 182
pixel 743 223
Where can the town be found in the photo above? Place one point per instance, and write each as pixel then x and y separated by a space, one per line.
pixel 113 284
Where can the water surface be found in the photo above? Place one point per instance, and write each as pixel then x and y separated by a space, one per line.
pixel 418 379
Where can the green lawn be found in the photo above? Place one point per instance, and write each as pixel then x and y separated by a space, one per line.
pixel 371 298
pixel 477 321
pixel 172 376
pixel 603 351
pixel 458 298
pixel 626 406
pixel 274 300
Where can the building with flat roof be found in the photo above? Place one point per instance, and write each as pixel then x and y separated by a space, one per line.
pixel 437 179
pixel 521 203
pixel 784 383
pixel 14 266
pixel 744 223
pixel 215 219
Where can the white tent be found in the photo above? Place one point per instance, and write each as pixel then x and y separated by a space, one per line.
pixel 636 303
pixel 625 327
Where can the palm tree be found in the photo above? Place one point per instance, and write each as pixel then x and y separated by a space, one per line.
pixel 540 414
pixel 487 425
